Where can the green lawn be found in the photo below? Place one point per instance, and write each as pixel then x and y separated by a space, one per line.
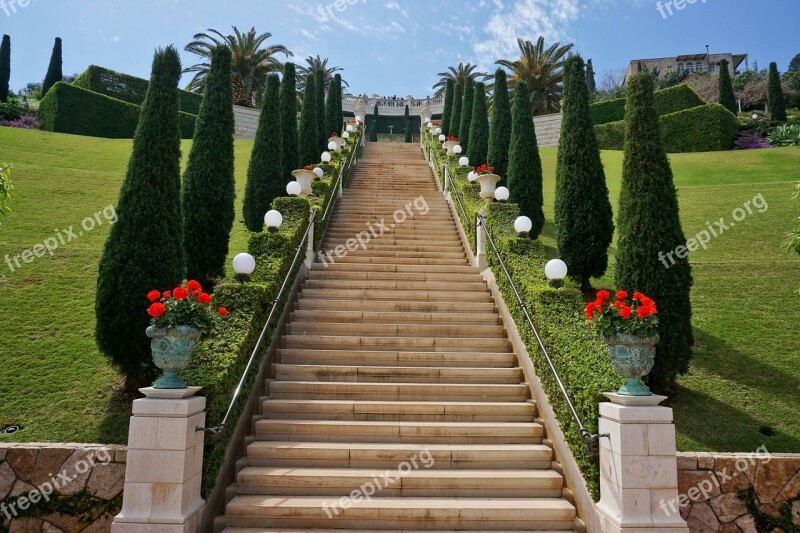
pixel 746 372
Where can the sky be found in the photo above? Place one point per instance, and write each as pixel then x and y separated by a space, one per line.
pixel 396 47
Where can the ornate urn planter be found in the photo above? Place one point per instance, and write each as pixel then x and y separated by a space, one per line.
pixel 488 185
pixel 339 142
pixel 305 178
pixel 172 351
pixel 449 145
pixel 633 357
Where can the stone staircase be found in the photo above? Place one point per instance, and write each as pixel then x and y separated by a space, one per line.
pixel 397 402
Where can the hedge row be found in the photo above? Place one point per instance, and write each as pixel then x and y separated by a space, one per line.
pixel 578 353
pixel 668 101
pixel 71 109
pixel 129 88
pixel 221 356
pixel 708 128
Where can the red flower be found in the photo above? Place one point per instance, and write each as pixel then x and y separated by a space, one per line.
pixel 603 295
pixel 204 298
pixel 222 311
pixel 638 296
pixel 621 295
pixel 156 310
pixel 153 295
pixel 180 293
pixel 491 168
pixel 194 286
pixel 167 294
pixel 619 305
pixel 625 312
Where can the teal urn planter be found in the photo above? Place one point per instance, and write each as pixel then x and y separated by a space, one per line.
pixel 633 357
pixel 172 350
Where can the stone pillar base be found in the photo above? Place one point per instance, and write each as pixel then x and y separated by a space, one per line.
pixel 638 470
pixel 165 467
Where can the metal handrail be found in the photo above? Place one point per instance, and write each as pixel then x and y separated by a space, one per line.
pixel 217 430
pixel 589 438
pixel 347 165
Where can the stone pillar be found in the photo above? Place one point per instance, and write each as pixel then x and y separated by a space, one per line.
pixel 164 468
pixel 480 245
pixel 638 467
pixel 309 260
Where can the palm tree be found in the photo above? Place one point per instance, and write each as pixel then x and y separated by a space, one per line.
pixel 252 61
pixel 542 70
pixel 315 64
pixel 458 75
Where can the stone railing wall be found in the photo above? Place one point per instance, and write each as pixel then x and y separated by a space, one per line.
pixel 710 485
pixel 56 488
pixel 246 122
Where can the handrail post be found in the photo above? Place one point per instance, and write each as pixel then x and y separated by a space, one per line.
pixel 480 245
pixel 310 244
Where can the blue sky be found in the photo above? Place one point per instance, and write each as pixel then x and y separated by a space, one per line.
pixel 396 46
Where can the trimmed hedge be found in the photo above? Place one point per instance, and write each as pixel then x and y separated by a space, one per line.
pixel 708 128
pixel 668 101
pixel 129 88
pixel 72 109
pixel 221 356
pixel 579 354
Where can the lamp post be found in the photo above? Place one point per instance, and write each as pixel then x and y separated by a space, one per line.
pixel 522 226
pixel 273 219
pixel 556 270
pixel 244 265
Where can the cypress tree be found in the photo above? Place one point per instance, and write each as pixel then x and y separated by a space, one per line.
pixel 524 162
pixel 651 253
pixel 54 74
pixel 331 111
pixel 583 217
pixel 409 136
pixel 479 128
pixel 337 81
pixel 5 67
pixel 264 179
pixel 308 135
pixel 323 132
pixel 448 106
pixel 289 150
pixel 500 133
pixel 373 135
pixel 466 114
pixel 775 98
pixel 145 248
pixel 455 115
pixel 590 82
pixel 726 97
pixel 209 188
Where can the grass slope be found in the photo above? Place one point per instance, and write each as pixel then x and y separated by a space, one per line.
pixel 745 373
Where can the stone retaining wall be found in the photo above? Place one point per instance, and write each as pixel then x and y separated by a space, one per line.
pixel 708 485
pixel 71 478
pixel 246 122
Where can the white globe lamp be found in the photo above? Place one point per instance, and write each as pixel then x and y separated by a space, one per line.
pixel 294 189
pixel 502 194
pixel 273 219
pixel 319 172
pixel 326 157
pixel 464 161
pixel 457 149
pixel 243 265
pixel 556 270
pixel 522 226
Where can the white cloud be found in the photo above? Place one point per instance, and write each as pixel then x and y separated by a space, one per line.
pixel 525 19
pixel 396 7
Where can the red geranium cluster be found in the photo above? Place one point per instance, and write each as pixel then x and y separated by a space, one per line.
pixel 452 138
pixel 624 315
pixel 484 169
pixel 332 135
pixel 186 305
pixel 309 167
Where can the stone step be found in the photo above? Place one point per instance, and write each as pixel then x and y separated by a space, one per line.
pixel 318 390
pixel 396 305
pixel 399 431
pixel 330 274
pixel 426 269
pixel 412 480
pixel 510 514
pixel 396 358
pixel 409 344
pixel 373 253
pixel 391 455
pixel 434 285
pixel 388 329
pixel 407 295
pixel 382 374
pixel 408 411
pixel 418 261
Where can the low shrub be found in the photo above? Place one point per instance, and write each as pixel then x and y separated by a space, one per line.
pixel 671 100
pixel 785 135
pixel 706 128
pixel 129 88
pixel 26 122
pixel 71 109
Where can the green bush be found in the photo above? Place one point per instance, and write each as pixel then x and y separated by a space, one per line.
pixel 668 101
pixel 71 109
pixel 706 128
pixel 221 357
pixel 129 88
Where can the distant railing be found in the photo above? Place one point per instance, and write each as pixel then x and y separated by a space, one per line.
pixel 392 106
